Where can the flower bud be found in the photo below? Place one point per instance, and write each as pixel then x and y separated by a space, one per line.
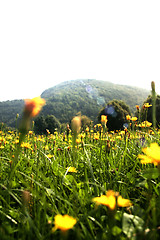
pixel 153 86
pixel 76 125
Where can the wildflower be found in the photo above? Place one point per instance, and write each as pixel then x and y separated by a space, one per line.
pixel 63 223
pixel 76 125
pixel 78 140
pixel 31 109
pixel 87 129
pixel 33 106
pixel 112 199
pixel 50 156
pixel 48 132
pixel 152 154
pixel 137 107
pixel 119 137
pixel 147 105
pixel 96 136
pixel 104 119
pixel 26 145
pixel 46 147
pixel 128 117
pixel 133 119
pixel 72 169
pixel 145 124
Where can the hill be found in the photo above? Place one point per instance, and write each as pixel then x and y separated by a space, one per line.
pixel 9 110
pixel 87 96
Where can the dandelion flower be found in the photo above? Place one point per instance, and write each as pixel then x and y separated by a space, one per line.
pixel 134 119
pixel 71 169
pixel 147 105
pixel 104 119
pixel 33 106
pixel 152 154
pixel 128 117
pixel 111 200
pixel 145 124
pixel 63 223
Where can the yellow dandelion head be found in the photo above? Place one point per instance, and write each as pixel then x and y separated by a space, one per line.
pixel 64 223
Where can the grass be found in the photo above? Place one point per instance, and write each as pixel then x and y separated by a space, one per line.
pixel 40 186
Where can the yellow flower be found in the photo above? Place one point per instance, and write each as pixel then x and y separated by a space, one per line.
pixel 78 140
pixel 111 200
pixel 104 119
pixel 63 223
pixel 87 129
pixel 72 169
pixel 128 117
pixel 33 106
pixel 134 119
pixel 118 137
pixel 26 145
pixel 121 202
pixel 147 105
pixel 145 124
pixel 49 156
pixel 152 154
pixel 96 136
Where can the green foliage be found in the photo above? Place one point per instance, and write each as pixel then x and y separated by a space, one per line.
pixel 146 113
pixel 9 111
pixel 88 97
pixel 86 122
pixel 116 112
pixel 42 187
pixel 52 123
pixel 42 123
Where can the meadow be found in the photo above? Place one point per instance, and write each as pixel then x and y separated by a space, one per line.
pixel 90 184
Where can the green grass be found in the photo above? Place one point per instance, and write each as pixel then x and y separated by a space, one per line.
pixel 42 173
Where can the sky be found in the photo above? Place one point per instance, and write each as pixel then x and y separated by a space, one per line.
pixel 43 43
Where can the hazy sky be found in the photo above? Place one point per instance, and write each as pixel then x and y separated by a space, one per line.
pixel 43 43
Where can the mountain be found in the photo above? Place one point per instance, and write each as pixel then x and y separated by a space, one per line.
pixel 9 111
pixel 87 96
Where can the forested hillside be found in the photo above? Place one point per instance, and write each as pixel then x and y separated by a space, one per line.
pixel 9 110
pixel 86 96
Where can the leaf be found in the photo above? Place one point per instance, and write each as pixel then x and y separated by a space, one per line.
pixel 151 173
pixel 116 230
pixel 131 224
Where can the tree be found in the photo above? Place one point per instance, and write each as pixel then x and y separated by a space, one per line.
pixel 52 123
pixel 86 122
pixel 40 125
pixel 116 112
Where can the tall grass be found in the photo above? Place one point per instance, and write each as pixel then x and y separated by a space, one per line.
pixel 40 187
